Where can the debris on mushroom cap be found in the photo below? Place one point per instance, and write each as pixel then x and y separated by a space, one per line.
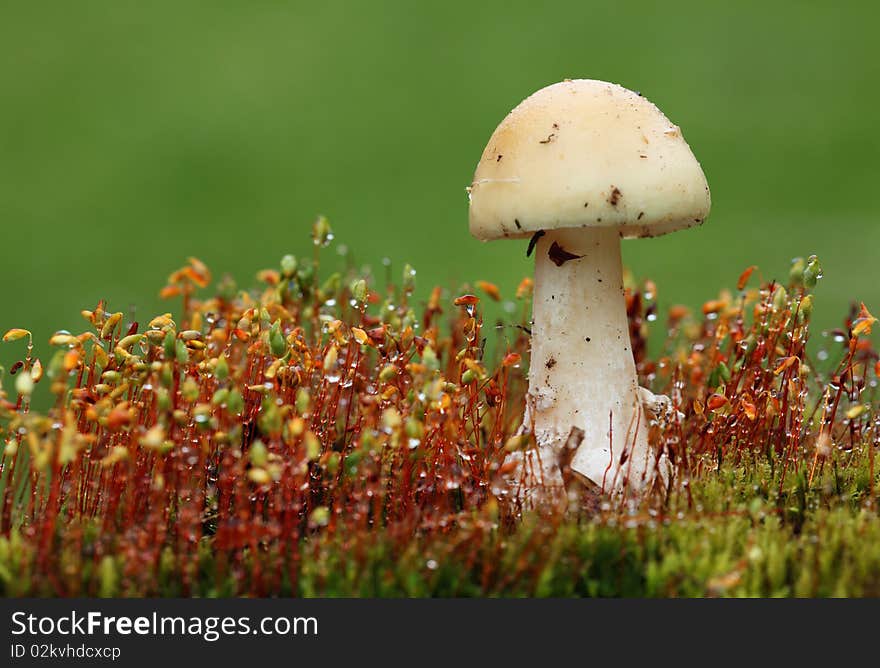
pixel 586 153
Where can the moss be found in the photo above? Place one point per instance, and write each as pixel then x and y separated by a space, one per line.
pixel 320 437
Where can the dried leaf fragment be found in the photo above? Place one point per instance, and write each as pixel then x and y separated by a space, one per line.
pixel 560 256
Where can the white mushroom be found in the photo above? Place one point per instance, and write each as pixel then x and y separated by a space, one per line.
pixel 577 167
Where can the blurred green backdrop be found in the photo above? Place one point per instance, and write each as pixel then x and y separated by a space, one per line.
pixel 135 134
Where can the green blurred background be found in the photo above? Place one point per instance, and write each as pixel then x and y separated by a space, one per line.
pixel 135 134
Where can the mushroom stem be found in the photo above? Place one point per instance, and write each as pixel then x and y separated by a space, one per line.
pixel 582 372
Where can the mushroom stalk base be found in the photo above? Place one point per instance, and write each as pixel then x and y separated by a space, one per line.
pixel 582 372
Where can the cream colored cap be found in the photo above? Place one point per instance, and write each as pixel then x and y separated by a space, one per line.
pixel 586 153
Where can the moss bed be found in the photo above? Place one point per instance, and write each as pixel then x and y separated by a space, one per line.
pixel 326 435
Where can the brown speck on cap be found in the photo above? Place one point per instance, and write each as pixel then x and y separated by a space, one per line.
pixel 615 196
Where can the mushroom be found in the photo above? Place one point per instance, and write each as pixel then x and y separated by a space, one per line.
pixel 578 166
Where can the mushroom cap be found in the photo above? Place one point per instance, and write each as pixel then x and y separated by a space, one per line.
pixel 586 153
